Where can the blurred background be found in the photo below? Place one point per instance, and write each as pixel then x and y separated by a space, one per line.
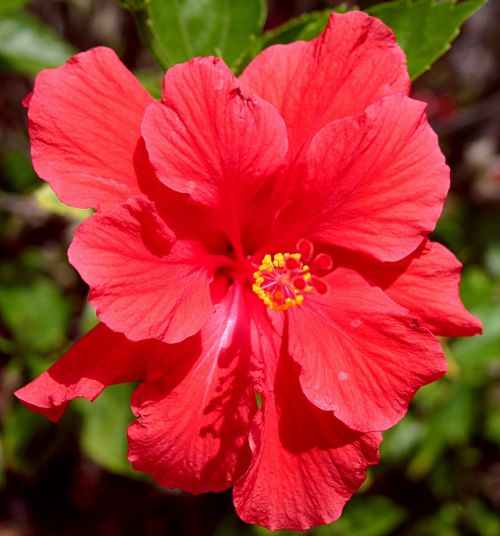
pixel 440 468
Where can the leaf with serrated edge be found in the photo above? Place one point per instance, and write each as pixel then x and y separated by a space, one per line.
pixel 424 28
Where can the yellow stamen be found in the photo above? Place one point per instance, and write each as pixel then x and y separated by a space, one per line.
pixel 274 281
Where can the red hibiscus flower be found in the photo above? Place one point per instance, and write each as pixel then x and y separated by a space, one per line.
pixel 263 235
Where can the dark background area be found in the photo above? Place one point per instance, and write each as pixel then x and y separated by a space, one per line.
pixel 440 468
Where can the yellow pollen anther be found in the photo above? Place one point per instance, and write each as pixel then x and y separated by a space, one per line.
pixel 274 281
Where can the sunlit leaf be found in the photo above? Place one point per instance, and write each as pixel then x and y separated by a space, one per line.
pixel 478 352
pixel 402 439
pixel 47 199
pixel 476 287
pixel 304 27
pixel 176 30
pixel 425 28
pixel 27 45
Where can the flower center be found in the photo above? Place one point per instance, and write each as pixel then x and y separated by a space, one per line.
pixel 282 280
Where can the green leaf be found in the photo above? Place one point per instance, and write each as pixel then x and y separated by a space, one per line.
pixel 27 45
pixel 425 28
pixel 402 439
pixel 305 27
pixel 448 418
pixel 367 516
pixel 477 353
pixel 476 288
pixel 151 79
pixel 11 6
pixel 363 516
pixel 103 435
pixel 22 431
pixel 176 30
pixel 17 170
pixel 37 315
pixel 48 200
pixel 302 28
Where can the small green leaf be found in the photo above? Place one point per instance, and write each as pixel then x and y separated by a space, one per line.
pixel 48 200
pixel 151 79
pixel 17 170
pixel 476 288
pixel 27 45
pixel 425 28
pixel 363 516
pixel 302 28
pixel 366 516
pixel 176 30
pixel 479 352
pixel 37 315
pixel 103 435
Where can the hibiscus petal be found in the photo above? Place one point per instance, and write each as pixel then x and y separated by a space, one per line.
pixel 427 283
pixel 351 65
pixel 375 183
pixel 362 356
pixel 143 281
pixel 100 358
pixel 195 411
pixel 208 140
pixel 306 464
pixel 84 124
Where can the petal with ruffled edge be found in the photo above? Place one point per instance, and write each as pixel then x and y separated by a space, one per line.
pixel 375 183
pixel 352 64
pixel 306 464
pixel 362 355
pixel 84 124
pixel 195 409
pixel 100 358
pixel 143 281
pixel 208 140
pixel 427 284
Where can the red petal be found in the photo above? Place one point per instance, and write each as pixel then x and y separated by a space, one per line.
pixel 84 123
pixel 143 281
pixel 362 357
pixel 208 140
pixel 306 464
pixel 427 283
pixel 352 64
pixel 194 414
pixel 100 358
pixel 375 183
